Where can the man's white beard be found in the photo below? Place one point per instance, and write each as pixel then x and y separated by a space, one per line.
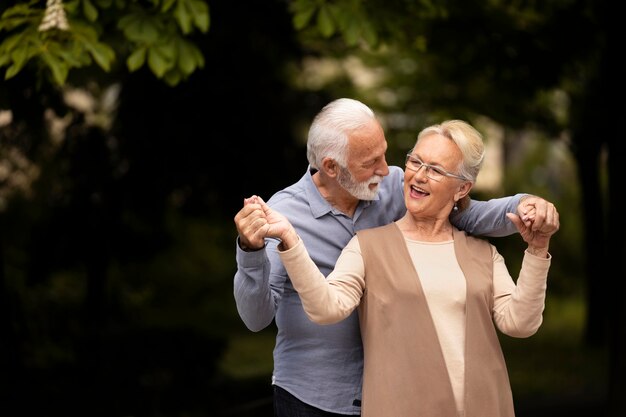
pixel 360 190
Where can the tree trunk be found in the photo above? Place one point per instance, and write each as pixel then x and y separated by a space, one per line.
pixel 587 153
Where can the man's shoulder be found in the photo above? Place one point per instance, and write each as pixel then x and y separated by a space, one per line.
pixel 286 195
pixel 290 198
pixel 395 178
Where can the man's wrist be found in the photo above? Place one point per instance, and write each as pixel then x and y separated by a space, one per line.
pixel 247 248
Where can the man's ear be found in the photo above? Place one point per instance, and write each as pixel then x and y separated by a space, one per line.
pixel 330 167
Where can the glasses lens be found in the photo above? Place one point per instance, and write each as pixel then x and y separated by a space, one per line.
pixel 432 172
pixel 435 173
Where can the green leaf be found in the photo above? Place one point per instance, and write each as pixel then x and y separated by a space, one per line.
pixel 167 4
pixel 11 42
pixel 343 13
pixel 19 57
pixel 368 32
pixel 200 12
pixel 186 58
pixel 140 28
pixel 58 68
pixel 71 6
pixel 136 59
pixel 23 9
pixel 300 6
pixel 325 22
pixel 302 18
pixel 104 56
pixel 352 32
pixel 11 71
pixel 157 62
pixel 102 53
pixel 72 56
pixel 168 50
pixel 183 17
pixel 198 56
pixel 12 23
pixel 172 78
pixel 90 11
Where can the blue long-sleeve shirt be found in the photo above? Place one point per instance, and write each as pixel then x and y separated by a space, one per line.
pixel 322 364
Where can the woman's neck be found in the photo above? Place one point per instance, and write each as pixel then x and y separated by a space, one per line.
pixel 425 229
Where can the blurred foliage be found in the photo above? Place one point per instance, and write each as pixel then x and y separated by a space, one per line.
pixel 105 32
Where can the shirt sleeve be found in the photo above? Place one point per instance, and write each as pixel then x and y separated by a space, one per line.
pixel 327 301
pixel 518 307
pixel 256 296
pixel 488 218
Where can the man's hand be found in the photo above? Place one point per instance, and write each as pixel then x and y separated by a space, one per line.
pixel 250 222
pixel 256 221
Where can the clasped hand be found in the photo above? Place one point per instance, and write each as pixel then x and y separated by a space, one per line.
pixel 537 220
pixel 257 221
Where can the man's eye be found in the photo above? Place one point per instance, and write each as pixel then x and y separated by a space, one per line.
pixel 438 171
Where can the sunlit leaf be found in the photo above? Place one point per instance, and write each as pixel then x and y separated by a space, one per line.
pixel 140 28
pixel 200 12
pixel 172 78
pixel 58 68
pixel 186 58
pixel 183 17
pixel 157 62
pixel 11 42
pixel 102 53
pixel 11 71
pixel 19 57
pixel 136 59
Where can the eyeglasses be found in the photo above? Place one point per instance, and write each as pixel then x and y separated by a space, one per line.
pixel 433 172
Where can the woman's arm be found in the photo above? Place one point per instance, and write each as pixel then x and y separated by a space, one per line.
pixel 326 300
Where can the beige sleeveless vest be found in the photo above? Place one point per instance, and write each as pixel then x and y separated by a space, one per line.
pixel 405 374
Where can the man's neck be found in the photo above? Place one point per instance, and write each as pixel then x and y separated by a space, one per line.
pixel 335 194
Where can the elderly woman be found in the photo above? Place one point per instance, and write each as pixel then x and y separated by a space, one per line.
pixel 429 297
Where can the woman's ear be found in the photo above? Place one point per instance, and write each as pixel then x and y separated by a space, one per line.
pixel 463 190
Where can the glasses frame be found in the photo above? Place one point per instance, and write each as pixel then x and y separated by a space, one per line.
pixel 430 168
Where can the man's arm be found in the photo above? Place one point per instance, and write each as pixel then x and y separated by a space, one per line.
pixel 252 290
pixel 488 218
pixel 253 293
